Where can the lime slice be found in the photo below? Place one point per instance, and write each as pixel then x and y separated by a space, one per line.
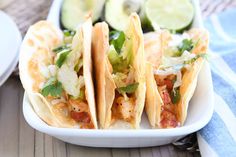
pixel 117 12
pixel 74 12
pixel 174 15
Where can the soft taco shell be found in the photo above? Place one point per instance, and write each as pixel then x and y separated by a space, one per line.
pixel 105 85
pixel 189 79
pixel 36 53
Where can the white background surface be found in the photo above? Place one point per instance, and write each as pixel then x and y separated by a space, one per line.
pixel 10 39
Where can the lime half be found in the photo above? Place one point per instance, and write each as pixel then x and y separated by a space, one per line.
pixel 117 12
pixel 174 15
pixel 74 12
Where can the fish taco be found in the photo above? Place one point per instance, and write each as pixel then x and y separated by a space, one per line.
pixel 173 64
pixel 120 74
pixel 56 73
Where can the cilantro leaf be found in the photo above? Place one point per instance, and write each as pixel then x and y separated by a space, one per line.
pixel 61 48
pixel 68 33
pixel 175 95
pixel 187 45
pixel 128 89
pixel 62 58
pixel 203 55
pixel 52 87
pixel 117 39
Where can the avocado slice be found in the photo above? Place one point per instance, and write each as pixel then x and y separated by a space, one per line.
pixel 74 12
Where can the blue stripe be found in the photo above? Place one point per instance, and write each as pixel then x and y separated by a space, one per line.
pixel 221 47
pixel 218 137
pixel 225 90
pixel 228 20
pixel 230 59
pixel 216 41
pixel 216 44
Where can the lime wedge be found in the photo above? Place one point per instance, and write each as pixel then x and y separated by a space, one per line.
pixel 174 15
pixel 117 12
pixel 74 12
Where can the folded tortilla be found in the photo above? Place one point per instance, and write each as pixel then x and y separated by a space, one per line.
pixel 37 65
pixel 106 93
pixel 155 45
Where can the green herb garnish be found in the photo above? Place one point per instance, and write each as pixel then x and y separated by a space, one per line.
pixel 117 39
pixel 128 89
pixel 62 58
pixel 61 48
pixel 175 95
pixel 116 60
pixel 52 87
pixel 187 45
pixel 82 94
pixel 203 55
pixel 68 33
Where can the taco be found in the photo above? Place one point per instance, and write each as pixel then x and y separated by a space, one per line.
pixel 173 64
pixel 120 74
pixel 56 73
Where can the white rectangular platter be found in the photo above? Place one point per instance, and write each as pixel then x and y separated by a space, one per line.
pixel 199 112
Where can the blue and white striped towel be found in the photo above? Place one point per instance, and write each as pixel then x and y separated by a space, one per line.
pixel 218 137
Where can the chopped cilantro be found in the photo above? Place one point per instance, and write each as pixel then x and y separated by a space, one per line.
pixel 204 55
pixel 187 45
pixel 117 39
pixel 62 58
pixel 82 94
pixel 52 87
pixel 61 48
pixel 68 33
pixel 128 89
pixel 175 95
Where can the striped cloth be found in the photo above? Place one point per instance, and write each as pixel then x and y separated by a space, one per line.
pixel 218 137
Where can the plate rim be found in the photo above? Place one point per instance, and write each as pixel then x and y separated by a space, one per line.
pixel 14 60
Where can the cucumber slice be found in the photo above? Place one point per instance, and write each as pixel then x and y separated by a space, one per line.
pixel 74 12
pixel 117 12
pixel 174 15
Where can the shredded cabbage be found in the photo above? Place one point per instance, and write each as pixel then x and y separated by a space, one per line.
pixel 70 81
pixel 119 79
pixel 178 81
pixel 67 74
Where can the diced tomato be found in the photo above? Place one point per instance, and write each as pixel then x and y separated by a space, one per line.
pixel 165 96
pixel 169 84
pixel 168 119
pixel 169 107
pixel 80 116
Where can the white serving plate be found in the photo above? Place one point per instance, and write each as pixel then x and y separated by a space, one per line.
pixel 10 40
pixel 199 113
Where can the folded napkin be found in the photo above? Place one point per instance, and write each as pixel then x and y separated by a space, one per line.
pixel 218 137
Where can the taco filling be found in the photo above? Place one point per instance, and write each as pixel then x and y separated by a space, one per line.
pixel 63 81
pixel 176 60
pixel 120 57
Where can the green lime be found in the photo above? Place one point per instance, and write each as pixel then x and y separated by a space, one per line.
pixel 174 15
pixel 117 12
pixel 74 12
